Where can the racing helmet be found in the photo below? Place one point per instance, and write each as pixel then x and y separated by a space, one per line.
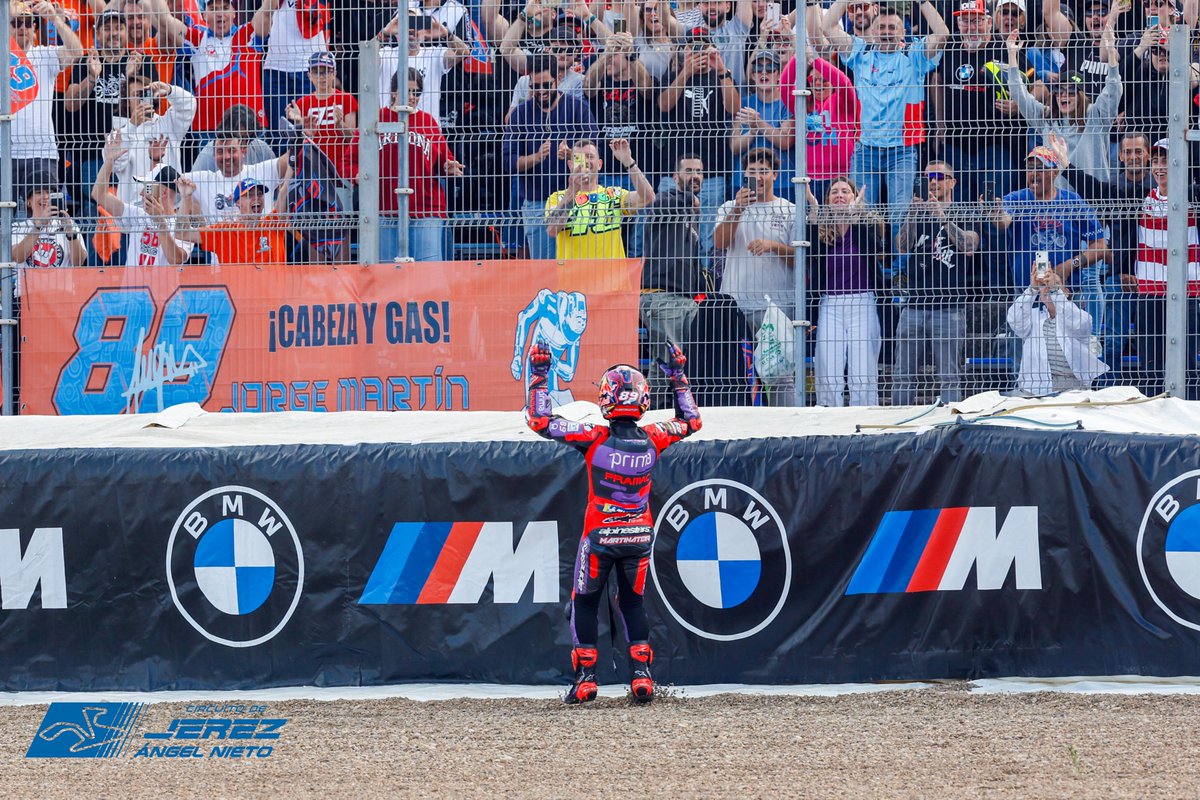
pixel 624 393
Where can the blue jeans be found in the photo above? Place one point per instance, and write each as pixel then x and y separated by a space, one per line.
pixel 1118 314
pixel 533 215
pixel 426 239
pixel 869 166
pixel 279 89
pixel 1087 292
pixel 946 330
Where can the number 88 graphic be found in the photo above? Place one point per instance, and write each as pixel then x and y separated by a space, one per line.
pixel 193 331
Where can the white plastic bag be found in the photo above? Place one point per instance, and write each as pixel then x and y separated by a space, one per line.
pixel 774 346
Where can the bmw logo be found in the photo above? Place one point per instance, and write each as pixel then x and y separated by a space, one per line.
pixel 234 566
pixel 964 72
pixel 1169 549
pixel 721 561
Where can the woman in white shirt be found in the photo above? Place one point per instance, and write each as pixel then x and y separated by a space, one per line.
pixel 1056 335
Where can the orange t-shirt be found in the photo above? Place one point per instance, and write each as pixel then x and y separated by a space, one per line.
pixel 242 241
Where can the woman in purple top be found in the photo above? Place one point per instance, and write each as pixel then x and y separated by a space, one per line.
pixel 844 272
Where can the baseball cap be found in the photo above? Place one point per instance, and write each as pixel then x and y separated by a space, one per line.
pixel 1162 144
pixel 564 33
pixel 324 58
pixel 1071 79
pixel 699 33
pixel 1045 155
pixel 247 185
pixel 765 55
pixel 971 7
pixel 1020 4
pixel 39 180
pixel 110 15
pixel 165 175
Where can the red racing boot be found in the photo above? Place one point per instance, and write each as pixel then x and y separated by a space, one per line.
pixel 583 689
pixel 641 656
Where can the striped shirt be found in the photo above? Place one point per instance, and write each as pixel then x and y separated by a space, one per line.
pixel 1062 377
pixel 1151 265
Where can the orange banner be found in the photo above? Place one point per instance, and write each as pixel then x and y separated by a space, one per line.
pixel 447 335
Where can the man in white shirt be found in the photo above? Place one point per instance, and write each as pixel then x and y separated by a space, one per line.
pixel 297 30
pixel 152 139
pixel 34 143
pixel 432 51
pixel 214 189
pixel 151 226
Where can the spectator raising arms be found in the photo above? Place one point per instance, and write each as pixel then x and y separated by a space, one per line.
pixel 250 236
pixel 295 31
pixel 764 122
pixel 585 218
pixel 1085 125
pixel 226 62
pixel 150 139
pixel 889 74
pixel 832 118
pixel 214 190
pixel 656 34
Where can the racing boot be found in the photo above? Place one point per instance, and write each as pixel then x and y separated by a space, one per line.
pixel 583 689
pixel 641 656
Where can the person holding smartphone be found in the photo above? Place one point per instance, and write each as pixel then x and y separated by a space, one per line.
pixel 151 138
pixel 47 237
pixel 1055 338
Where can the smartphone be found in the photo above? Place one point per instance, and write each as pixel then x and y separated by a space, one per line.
pixel 921 187
pixel 619 25
pixel 754 184
pixel 1152 21
pixel 420 22
pixel 147 96
pixel 989 191
pixel 1043 263
pixel 774 12
pixel 578 162
pixel 58 200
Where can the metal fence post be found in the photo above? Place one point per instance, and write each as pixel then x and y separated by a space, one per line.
pixel 1177 354
pixel 368 152
pixel 800 181
pixel 8 273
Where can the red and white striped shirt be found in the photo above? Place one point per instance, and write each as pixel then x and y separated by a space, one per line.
pixel 1151 266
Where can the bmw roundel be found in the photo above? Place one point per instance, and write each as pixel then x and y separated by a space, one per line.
pixel 234 566
pixel 964 73
pixel 721 561
pixel 1169 549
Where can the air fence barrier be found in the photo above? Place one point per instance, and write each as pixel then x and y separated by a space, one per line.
pixel 963 552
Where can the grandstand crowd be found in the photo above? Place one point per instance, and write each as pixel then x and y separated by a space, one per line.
pixel 985 182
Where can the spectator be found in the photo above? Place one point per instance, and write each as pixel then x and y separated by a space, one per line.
pixel 672 274
pixel 845 269
pixel 861 15
pixel 530 33
pixel 226 63
pixel 890 78
pixel 429 158
pixel 831 119
pixel 214 189
pixel 94 96
pixel 1150 270
pixel 1147 106
pixel 47 237
pixel 329 117
pixel 352 23
pixel 621 90
pixel 1119 204
pixel 294 30
pixel 1085 125
pixel 432 51
pixel 941 242
pixel 241 120
pixel 152 225
pixel 565 47
pixel 728 34
pixel 585 218
pixel 698 101
pixel 970 97
pixel 34 141
pixel 1082 48
pixel 535 148
pixel 249 236
pixel 756 228
pixel 656 34
pixel 1045 217
pixel 153 32
pixel 1055 349
pixel 150 139
pixel 764 122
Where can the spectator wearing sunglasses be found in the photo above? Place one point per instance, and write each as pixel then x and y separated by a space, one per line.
pixel 764 121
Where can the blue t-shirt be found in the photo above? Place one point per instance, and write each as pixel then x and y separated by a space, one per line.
pixel 1063 226
pixel 891 88
pixel 774 113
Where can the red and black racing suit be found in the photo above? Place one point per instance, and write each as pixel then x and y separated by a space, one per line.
pixel 617 526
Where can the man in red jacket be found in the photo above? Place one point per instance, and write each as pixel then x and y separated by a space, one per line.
pixel 429 159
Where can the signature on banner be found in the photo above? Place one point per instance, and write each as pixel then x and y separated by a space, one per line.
pixel 157 368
